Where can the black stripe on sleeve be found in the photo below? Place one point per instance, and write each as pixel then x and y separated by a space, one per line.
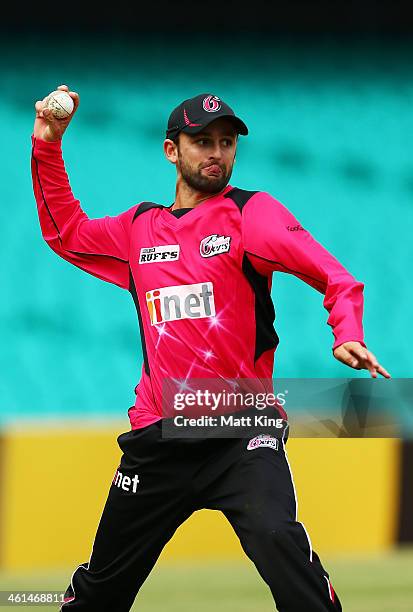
pixel 56 227
pixel 41 189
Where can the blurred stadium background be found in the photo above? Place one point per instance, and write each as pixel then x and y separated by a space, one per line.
pixel 326 90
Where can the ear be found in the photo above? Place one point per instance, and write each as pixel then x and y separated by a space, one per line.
pixel 170 150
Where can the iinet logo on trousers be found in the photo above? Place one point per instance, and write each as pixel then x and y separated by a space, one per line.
pixel 181 302
pixel 125 482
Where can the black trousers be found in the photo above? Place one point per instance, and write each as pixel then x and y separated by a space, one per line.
pixel 161 482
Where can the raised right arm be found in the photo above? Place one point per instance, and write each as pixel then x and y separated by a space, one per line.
pixel 98 246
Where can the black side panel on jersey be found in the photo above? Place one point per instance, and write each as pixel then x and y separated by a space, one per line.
pixel 134 294
pixel 144 207
pixel 265 335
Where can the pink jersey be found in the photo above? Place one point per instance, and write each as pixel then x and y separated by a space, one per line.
pixel 201 283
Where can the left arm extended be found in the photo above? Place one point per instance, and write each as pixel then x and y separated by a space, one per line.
pixel 274 240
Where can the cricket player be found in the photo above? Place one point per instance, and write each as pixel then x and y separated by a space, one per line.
pixel 199 272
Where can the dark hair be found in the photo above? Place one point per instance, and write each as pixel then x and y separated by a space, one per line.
pixel 175 140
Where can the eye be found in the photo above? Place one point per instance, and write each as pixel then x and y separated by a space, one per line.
pixel 202 141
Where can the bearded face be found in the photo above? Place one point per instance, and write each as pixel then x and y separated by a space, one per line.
pixel 205 160
pixel 207 177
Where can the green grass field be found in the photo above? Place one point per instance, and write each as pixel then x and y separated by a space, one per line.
pixel 365 584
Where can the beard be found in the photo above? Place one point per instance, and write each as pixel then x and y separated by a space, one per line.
pixel 199 182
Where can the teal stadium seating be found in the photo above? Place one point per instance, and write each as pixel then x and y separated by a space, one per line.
pixel 329 137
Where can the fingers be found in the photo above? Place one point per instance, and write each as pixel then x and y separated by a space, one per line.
pixel 365 359
pixel 358 357
pixel 75 97
pixel 343 355
pixel 361 358
pixel 47 125
pixel 43 112
pixel 39 106
pixel 383 372
pixel 73 94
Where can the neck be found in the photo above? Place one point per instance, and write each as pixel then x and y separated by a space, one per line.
pixel 186 197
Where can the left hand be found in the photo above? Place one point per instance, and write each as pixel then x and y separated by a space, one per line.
pixel 356 356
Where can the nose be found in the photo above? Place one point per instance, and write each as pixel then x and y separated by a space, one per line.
pixel 215 151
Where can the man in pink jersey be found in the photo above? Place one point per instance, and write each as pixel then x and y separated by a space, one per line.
pixel 199 272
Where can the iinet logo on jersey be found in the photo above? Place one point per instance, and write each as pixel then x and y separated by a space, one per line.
pixel 181 302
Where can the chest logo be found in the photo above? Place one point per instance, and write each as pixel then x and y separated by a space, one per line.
pixel 181 302
pixel 158 254
pixel 215 244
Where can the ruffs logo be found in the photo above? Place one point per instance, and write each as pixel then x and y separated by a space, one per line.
pixel 211 104
pixel 215 244
pixel 167 252
pixel 181 302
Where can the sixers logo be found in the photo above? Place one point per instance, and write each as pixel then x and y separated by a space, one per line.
pixel 263 440
pixel 215 244
pixel 211 104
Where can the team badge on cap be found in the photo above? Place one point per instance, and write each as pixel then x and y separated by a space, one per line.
pixel 196 113
pixel 211 104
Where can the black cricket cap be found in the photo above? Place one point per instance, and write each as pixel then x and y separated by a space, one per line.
pixel 194 114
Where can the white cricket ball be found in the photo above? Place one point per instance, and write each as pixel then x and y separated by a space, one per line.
pixel 60 103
